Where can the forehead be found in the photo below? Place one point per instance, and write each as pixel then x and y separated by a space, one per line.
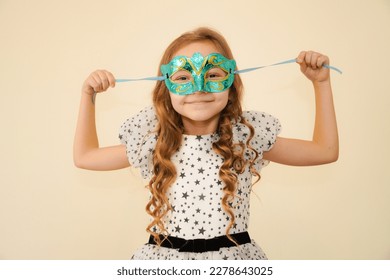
pixel 203 47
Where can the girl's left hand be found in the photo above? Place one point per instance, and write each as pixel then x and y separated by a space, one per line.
pixel 312 66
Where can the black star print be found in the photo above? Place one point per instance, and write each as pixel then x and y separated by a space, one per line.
pixel 200 171
pixel 197 182
pixel 197 210
pixel 186 220
pixel 185 195
pixel 199 137
pixel 269 144
pixel 268 129
pixel 201 197
pixel 199 159
pixel 182 175
pixel 202 230
pixel 219 182
pixel 120 136
pixel 178 229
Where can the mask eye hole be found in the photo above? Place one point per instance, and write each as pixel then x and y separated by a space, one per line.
pixel 181 77
pixel 216 74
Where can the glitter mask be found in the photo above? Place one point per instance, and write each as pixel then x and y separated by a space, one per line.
pixel 186 75
pixel 201 74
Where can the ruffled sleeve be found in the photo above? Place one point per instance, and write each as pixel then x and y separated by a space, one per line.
pixel 266 127
pixel 138 134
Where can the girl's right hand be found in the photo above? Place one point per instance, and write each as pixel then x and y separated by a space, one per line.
pixel 98 81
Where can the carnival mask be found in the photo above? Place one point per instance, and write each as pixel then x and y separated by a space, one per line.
pixel 186 75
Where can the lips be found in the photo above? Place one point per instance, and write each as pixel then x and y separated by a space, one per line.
pixel 198 101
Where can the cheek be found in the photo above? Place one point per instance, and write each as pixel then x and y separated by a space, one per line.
pixel 222 97
pixel 176 101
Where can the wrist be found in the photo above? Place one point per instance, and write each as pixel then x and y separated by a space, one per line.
pixel 322 84
pixel 87 91
pixel 88 97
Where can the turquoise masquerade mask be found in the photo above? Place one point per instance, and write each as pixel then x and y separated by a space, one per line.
pixel 186 75
pixel 213 73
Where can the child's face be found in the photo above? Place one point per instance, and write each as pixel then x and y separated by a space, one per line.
pixel 200 111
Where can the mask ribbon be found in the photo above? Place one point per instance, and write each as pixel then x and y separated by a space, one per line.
pixel 162 78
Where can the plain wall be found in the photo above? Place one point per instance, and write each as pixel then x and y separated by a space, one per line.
pixel 49 209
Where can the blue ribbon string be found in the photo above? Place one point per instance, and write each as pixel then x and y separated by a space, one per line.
pixel 281 63
pixel 161 78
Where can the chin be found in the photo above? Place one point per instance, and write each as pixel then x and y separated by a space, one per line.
pixel 200 116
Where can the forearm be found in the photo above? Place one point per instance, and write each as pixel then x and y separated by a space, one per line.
pixel 86 136
pixel 325 133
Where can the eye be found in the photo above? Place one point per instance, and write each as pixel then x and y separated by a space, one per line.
pixel 216 74
pixel 181 77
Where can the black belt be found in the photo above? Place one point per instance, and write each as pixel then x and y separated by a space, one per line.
pixel 202 245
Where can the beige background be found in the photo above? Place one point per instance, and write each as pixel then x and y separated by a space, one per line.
pixel 51 210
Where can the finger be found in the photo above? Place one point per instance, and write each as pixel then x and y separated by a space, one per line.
pixel 314 60
pixel 103 80
pixel 96 82
pixel 308 57
pixel 301 57
pixel 323 59
pixel 301 61
pixel 111 79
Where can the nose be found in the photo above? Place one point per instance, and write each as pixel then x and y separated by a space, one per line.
pixel 199 83
pixel 201 92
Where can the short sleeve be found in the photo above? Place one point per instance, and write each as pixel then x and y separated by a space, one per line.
pixel 138 134
pixel 267 128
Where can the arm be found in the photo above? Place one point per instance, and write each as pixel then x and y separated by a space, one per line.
pixel 86 151
pixel 324 146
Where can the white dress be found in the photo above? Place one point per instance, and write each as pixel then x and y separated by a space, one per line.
pixel 196 194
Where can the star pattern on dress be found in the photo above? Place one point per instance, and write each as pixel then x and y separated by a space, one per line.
pixel 177 229
pixel 185 195
pixel 195 197
pixel 202 230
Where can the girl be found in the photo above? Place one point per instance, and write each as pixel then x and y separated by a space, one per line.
pixel 199 150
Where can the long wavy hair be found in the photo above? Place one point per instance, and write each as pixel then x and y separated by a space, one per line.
pixel 170 129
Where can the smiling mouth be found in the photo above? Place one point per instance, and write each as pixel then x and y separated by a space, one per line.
pixel 199 102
